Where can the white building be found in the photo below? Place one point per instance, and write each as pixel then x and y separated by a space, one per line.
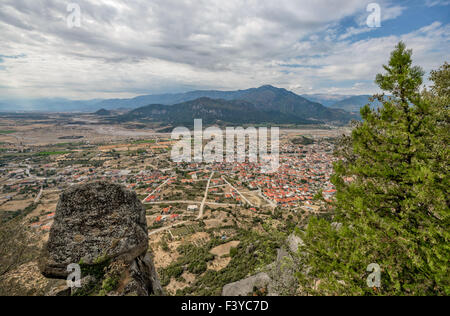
pixel 192 208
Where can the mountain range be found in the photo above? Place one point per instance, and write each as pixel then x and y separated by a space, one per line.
pixel 264 104
pixel 326 99
pixel 211 111
pixel 354 103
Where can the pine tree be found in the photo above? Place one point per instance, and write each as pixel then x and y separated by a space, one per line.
pixel 392 194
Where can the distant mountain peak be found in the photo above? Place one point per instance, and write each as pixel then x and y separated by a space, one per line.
pixel 268 86
pixel 271 88
pixel 103 112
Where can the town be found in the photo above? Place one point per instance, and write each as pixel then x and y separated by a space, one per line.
pixel 199 214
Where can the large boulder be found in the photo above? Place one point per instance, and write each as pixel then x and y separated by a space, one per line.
pixel 246 286
pixel 97 224
pixel 278 277
pixel 294 242
pixel 144 279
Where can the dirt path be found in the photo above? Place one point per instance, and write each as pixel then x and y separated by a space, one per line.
pixel 38 197
pixel 202 206
pixel 159 230
pixel 160 186
pixel 272 204
pixel 190 202
pixel 239 192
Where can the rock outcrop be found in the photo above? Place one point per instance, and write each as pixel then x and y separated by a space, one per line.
pixel 278 277
pixel 246 286
pixel 102 227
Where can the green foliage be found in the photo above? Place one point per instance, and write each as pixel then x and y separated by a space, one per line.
pixel 395 210
pixel 173 271
pixel 319 196
pixel 16 246
pixel 109 284
pixel 254 252
pixel 104 281
pixel 277 214
pixel 402 79
pixel 302 140
pixel 19 214
pixel 165 246
pixel 151 141
pixel 53 153
pixel 97 269
pixel 197 267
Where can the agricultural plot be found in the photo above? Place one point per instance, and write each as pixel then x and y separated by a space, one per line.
pixel 185 230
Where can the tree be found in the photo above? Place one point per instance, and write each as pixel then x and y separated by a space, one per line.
pixel 392 196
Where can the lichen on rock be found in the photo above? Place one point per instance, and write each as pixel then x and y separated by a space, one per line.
pixel 97 225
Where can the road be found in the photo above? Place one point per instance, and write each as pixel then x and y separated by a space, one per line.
pixel 243 197
pixel 189 202
pixel 272 204
pixel 38 197
pixel 202 206
pixel 27 170
pixel 160 186
pixel 166 228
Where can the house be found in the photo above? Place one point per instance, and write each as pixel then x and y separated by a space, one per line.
pixel 36 225
pixel 47 227
pixel 192 208
pixel 50 216
pixel 166 210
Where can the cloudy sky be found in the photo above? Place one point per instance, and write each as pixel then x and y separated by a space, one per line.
pixel 125 48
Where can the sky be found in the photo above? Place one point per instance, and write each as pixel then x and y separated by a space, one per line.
pixel 125 48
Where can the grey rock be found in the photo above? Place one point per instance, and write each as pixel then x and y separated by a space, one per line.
pixel 145 280
pixel 102 222
pixel 337 226
pixel 251 248
pixel 92 221
pixel 282 253
pixel 245 287
pixel 280 276
pixel 294 242
pixel 61 290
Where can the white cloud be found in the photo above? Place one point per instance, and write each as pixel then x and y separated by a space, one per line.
pixel 433 3
pixel 124 48
pixel 352 31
